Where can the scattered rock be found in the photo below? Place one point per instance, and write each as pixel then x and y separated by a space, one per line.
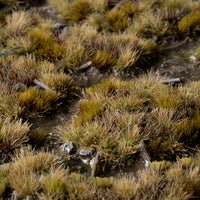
pixel 94 164
pixel 155 38
pixel 68 147
pixel 86 153
pixel 144 155
pixel 59 26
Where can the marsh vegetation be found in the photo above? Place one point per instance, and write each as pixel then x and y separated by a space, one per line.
pixel 129 116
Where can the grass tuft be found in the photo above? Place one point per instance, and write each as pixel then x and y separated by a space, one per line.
pixel 59 82
pixel 103 60
pixel 37 101
pixel 117 20
pixel 43 45
pixel 13 134
pixel 189 23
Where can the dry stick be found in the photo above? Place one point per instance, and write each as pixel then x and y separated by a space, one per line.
pixel 84 67
pixel 119 4
pixel 42 85
pixel 177 45
pixel 6 53
pixel 172 81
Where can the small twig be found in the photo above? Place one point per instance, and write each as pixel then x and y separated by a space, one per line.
pixel 6 53
pixel 85 66
pixel 42 85
pixel 172 81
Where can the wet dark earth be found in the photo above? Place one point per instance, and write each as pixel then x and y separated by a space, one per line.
pixel 179 62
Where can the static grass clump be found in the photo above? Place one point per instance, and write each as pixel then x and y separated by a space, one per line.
pixel 19 22
pixel 3 181
pixel 18 69
pixel 55 184
pixel 13 134
pixel 37 101
pixel 104 60
pixel 59 82
pixel 117 20
pixel 149 24
pixel 77 11
pixel 24 173
pixel 44 46
pixel 76 53
pixel 43 176
pixel 8 105
pixel 177 4
pixel 24 70
pixel 189 23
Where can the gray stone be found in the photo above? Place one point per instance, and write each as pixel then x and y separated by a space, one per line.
pixel 67 147
pixel 86 153
pixel 59 26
